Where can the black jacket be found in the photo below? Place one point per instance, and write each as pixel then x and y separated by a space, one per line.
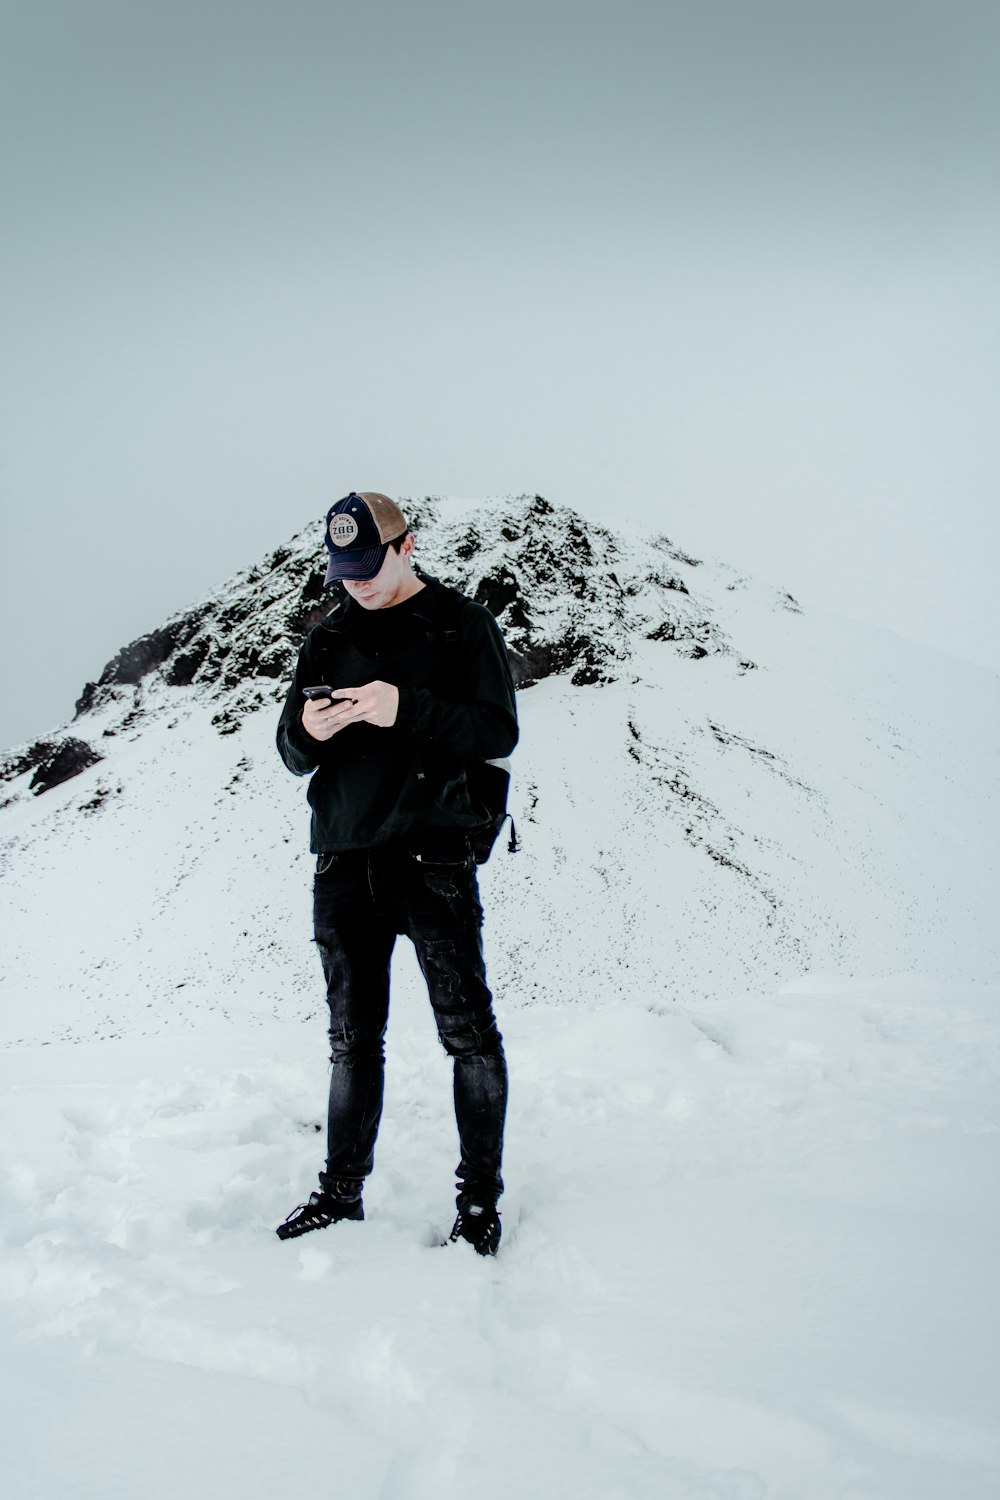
pixel 446 655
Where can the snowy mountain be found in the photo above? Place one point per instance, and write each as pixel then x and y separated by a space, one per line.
pixel 745 966
pixel 744 792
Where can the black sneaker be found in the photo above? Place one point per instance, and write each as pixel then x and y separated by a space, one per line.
pixel 321 1210
pixel 480 1225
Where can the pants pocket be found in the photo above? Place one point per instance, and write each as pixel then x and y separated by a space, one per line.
pixel 442 866
pixel 325 863
pixel 444 854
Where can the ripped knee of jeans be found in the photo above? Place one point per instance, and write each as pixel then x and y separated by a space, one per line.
pixel 355 1044
pixel 460 1037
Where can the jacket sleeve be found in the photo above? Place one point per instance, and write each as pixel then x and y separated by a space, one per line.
pixel 300 752
pixel 479 719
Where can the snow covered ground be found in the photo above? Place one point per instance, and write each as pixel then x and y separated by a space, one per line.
pixel 746 969
pixel 750 1250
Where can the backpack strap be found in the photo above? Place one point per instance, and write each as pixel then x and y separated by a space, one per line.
pixel 451 606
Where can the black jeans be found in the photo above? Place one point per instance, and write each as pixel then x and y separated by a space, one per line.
pixel 361 900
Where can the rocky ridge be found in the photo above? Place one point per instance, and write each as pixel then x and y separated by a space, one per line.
pixel 571 597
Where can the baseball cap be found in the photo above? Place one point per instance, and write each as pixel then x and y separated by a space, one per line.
pixel 358 531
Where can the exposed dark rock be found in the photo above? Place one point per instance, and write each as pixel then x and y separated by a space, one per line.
pixel 314 603
pixel 578 542
pixel 501 593
pixel 137 660
pixel 52 761
pixel 727 737
pixel 235 614
pixel 142 656
pixel 580 586
pixel 468 546
pixel 150 651
pixel 659 580
pixel 667 630
pixel 100 797
pixel 587 674
pixel 60 761
pixel 522 669
pixel 227 720
pixel 589 661
pixel 301 621
pixel 134 714
pixel 16 765
pixel 255 659
pixel 182 670
pixel 675 552
pixel 86 700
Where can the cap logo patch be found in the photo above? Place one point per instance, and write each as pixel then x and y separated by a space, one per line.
pixel 343 529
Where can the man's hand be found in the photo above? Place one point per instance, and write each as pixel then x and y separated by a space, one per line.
pixel 322 719
pixel 376 703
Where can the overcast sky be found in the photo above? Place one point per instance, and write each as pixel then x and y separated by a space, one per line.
pixel 723 270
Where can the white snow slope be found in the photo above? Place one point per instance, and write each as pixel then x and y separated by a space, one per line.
pixel 746 970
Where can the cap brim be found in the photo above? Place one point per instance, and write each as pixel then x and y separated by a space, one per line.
pixel 360 564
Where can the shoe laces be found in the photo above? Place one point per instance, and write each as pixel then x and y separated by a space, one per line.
pixel 474 1223
pixel 313 1202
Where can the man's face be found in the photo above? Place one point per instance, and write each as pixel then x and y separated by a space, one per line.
pixel 392 583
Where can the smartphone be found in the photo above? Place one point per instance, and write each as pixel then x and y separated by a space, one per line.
pixel 327 692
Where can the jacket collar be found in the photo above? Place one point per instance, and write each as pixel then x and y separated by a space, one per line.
pixel 343 615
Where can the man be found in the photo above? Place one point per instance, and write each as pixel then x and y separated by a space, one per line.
pixel 417 688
